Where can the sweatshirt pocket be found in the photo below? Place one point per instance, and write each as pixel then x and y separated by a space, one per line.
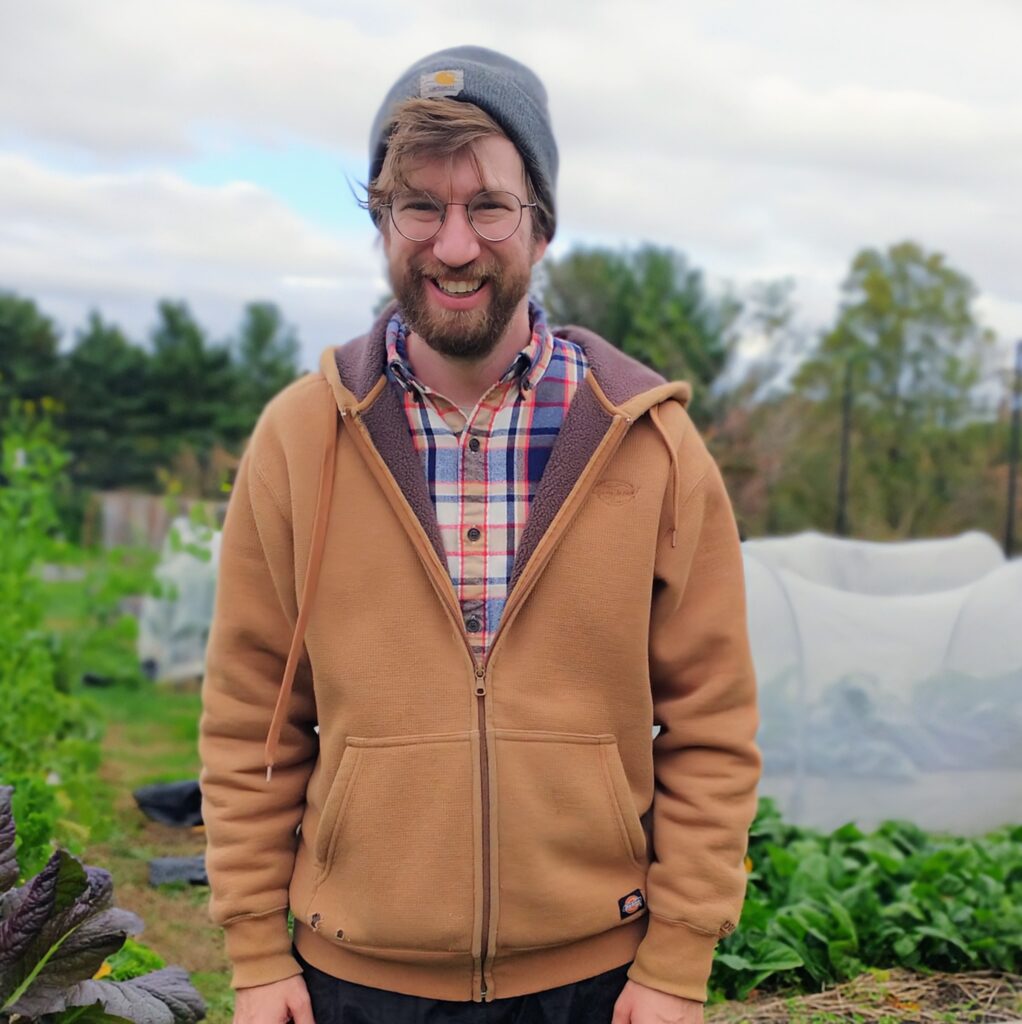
pixel 394 852
pixel 572 849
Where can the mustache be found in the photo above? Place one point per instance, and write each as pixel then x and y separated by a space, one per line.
pixel 469 272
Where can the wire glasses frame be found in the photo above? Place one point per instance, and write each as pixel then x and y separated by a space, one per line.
pixel 494 215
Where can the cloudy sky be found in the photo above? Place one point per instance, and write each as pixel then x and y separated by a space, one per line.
pixel 199 149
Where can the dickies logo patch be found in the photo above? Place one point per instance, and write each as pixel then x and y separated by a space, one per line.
pixel 631 904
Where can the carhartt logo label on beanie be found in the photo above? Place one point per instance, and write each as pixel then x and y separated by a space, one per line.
pixel 441 83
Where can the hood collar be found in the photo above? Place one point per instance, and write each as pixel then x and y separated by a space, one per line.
pixel 630 388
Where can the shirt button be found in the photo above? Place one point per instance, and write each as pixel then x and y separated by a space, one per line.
pixel 474 534
pixel 472 625
pixel 473 444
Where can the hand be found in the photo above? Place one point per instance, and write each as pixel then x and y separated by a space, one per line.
pixel 638 1004
pixel 275 1003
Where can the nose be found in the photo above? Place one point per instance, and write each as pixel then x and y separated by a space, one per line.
pixel 456 243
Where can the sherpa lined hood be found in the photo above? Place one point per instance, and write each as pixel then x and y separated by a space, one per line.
pixel 617 387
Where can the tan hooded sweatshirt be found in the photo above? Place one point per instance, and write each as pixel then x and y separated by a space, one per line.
pixel 476 830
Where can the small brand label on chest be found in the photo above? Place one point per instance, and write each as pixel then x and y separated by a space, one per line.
pixel 614 492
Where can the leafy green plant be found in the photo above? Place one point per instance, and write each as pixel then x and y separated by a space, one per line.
pixel 57 930
pixel 198 538
pixel 63 620
pixel 823 908
pixel 97 635
pixel 48 738
pixel 132 960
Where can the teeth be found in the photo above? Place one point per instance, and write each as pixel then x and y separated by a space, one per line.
pixel 459 287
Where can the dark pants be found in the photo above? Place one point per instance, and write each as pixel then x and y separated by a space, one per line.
pixel 590 1001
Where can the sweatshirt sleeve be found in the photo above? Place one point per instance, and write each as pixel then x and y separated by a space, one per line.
pixel 251 823
pixel 706 762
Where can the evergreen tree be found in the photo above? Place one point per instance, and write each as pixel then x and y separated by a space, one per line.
pixel 265 358
pixel 113 433
pixel 190 384
pixel 28 352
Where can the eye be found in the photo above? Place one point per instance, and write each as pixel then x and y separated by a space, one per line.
pixel 494 202
pixel 415 202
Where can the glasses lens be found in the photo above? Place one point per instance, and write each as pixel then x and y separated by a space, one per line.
pixel 495 215
pixel 416 215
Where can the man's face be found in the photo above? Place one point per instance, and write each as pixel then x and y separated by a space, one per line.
pixel 464 325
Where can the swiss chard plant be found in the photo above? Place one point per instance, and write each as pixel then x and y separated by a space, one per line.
pixel 57 931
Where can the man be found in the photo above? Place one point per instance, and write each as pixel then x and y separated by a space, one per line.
pixel 466 568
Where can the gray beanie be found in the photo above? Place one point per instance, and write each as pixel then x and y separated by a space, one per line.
pixel 508 91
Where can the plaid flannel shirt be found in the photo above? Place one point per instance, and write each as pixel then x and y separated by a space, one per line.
pixel 483 469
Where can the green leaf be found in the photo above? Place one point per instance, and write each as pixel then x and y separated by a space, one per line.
pixel 843 918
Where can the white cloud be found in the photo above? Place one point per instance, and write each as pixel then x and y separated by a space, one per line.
pixel 120 79
pixel 121 242
pixel 761 139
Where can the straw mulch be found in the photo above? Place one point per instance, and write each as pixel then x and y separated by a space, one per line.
pixel 884 997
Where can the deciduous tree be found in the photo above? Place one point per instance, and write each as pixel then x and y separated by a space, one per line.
pixel 653 305
pixel 919 357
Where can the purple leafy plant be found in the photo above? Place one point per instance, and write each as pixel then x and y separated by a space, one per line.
pixel 55 932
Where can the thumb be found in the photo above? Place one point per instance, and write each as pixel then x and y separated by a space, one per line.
pixel 622 1011
pixel 300 1007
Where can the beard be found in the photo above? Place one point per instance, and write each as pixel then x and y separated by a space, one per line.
pixel 468 334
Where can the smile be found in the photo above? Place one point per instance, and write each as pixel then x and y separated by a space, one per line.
pixel 458 287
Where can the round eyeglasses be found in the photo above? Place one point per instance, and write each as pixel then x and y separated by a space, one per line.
pixel 494 215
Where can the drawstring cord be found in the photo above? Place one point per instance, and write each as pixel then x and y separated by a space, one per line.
pixel 654 414
pixel 319 527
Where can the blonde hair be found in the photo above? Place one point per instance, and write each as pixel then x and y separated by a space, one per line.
pixel 440 128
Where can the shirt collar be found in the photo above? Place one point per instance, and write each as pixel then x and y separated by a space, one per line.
pixel 528 366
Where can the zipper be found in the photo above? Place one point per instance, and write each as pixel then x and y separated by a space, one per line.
pixel 441 580
pixel 484 785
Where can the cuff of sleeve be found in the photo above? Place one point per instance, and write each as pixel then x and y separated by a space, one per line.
pixel 260 950
pixel 674 958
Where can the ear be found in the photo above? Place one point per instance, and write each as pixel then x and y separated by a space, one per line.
pixel 538 248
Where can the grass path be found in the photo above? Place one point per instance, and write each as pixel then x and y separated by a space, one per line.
pixel 151 737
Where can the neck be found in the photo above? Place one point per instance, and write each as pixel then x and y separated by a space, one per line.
pixel 465 381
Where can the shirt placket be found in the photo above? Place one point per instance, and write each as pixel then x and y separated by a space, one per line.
pixel 477 535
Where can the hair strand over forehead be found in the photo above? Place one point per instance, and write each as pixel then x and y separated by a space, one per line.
pixel 439 128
